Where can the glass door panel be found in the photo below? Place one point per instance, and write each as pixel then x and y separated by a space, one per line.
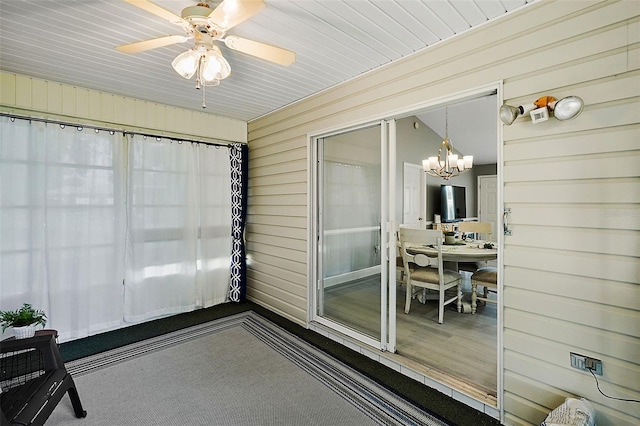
pixel 349 228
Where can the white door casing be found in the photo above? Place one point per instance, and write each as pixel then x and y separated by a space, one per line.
pixel 414 205
pixel 488 202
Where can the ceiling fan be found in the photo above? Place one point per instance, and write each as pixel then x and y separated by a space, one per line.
pixel 207 25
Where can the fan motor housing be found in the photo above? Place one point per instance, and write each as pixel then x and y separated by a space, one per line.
pixel 196 12
pixel 198 18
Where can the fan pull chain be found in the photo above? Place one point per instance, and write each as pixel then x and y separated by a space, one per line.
pixel 204 100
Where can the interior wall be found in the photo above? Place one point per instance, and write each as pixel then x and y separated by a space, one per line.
pixel 31 97
pixel 412 146
pixel 573 187
pixel 485 169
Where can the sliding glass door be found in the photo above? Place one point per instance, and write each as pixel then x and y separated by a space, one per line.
pixel 351 209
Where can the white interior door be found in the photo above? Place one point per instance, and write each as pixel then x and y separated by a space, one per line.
pixel 488 202
pixel 414 198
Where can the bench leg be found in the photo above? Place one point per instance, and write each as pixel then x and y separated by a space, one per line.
pixel 75 402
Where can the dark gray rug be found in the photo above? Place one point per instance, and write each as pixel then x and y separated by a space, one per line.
pixel 238 370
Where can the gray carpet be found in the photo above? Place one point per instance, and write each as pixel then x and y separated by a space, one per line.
pixel 239 370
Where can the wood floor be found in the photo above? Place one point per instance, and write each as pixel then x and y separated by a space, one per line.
pixel 464 346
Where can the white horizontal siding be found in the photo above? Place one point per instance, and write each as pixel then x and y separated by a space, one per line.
pixel 582 215
pixel 572 264
pixel 28 96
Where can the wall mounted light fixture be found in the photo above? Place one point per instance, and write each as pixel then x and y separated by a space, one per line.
pixel 565 109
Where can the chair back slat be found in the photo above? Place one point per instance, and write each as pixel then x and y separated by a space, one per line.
pixel 483 228
pixel 416 237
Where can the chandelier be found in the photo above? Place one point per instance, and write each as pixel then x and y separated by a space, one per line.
pixel 448 163
pixel 206 62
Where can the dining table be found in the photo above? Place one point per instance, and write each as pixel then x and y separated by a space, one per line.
pixel 460 251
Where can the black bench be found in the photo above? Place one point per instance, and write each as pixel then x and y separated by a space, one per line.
pixel 33 379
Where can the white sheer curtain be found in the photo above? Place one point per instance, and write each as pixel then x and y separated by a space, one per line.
pixel 179 236
pixel 62 224
pixel 99 229
pixel 351 205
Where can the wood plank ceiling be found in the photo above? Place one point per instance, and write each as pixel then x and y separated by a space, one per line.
pixel 72 41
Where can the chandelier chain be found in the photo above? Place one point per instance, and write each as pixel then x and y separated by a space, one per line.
pixel 446 122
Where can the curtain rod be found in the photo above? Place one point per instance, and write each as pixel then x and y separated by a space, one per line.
pixel 12 117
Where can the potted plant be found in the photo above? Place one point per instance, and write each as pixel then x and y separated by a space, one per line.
pixel 449 237
pixel 23 320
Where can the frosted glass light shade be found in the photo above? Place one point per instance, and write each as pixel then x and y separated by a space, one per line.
pixel 214 67
pixel 210 70
pixel 433 163
pixel 186 63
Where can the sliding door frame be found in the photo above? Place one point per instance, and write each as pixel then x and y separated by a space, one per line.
pixel 387 299
pixel 390 116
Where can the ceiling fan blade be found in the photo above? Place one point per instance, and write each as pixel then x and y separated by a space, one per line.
pixel 141 46
pixel 261 50
pixel 230 13
pixel 156 10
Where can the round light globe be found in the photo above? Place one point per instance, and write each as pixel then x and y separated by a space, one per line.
pixel 568 108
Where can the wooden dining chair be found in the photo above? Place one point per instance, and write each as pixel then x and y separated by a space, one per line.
pixel 482 231
pixel 428 273
pixel 487 278
pixel 399 261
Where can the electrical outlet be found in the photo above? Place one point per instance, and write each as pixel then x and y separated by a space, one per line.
pixel 582 362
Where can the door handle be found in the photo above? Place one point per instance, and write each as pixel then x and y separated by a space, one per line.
pixel 505 221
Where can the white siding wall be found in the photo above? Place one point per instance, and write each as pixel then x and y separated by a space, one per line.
pixel 27 96
pixel 572 264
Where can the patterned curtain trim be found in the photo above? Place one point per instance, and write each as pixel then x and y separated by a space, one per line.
pixel 238 154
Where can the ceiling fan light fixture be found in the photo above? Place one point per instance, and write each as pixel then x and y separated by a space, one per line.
pixel 214 67
pixel 210 70
pixel 186 63
pixel 207 22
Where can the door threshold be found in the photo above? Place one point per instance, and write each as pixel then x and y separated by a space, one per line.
pixel 475 396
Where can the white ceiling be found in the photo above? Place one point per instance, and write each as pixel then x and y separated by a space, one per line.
pixel 73 41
